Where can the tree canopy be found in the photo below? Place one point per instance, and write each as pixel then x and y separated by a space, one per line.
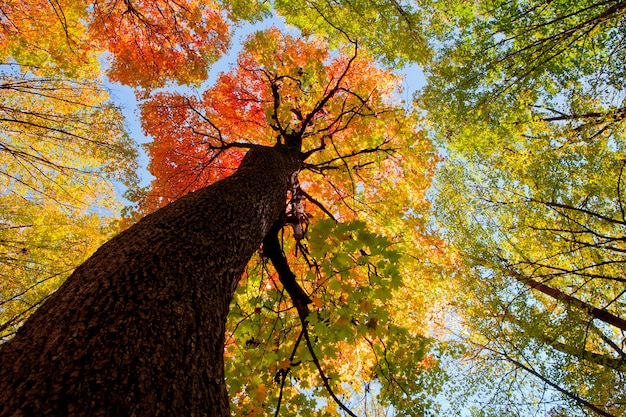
pixel 526 100
pixel 461 252
pixel 342 108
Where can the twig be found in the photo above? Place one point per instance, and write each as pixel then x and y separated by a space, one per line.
pixel 318 204
pixel 285 372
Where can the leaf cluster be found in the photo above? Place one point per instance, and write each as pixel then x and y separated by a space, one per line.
pixel 356 335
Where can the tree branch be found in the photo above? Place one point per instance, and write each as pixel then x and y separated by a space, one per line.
pixel 563 391
pixel 273 250
pixel 284 373
pixel 557 294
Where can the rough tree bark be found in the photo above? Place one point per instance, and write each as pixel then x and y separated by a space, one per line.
pixel 138 329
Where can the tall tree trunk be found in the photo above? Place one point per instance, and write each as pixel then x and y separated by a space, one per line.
pixel 138 329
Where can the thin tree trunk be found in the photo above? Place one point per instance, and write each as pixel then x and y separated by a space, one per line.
pixel 138 329
pixel 557 294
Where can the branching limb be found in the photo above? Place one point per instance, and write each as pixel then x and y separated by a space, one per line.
pixel 343 158
pixel 223 143
pixel 556 205
pixel 273 250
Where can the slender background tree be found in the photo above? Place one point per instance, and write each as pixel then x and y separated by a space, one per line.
pixel 526 98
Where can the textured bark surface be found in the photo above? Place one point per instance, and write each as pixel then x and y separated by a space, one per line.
pixel 138 329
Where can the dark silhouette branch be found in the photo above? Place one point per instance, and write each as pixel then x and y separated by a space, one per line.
pixel 563 391
pixel 325 379
pixel 273 251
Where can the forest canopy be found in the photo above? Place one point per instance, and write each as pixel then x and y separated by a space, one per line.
pixel 457 250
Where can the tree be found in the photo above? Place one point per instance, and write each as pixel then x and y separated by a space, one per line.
pixel 139 328
pixel 151 304
pixel 531 195
pixel 538 246
pixel 286 87
pixel 64 147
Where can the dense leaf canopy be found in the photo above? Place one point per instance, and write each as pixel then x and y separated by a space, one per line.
pixel 527 100
pixel 478 229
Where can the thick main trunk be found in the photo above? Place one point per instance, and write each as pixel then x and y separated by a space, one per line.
pixel 138 329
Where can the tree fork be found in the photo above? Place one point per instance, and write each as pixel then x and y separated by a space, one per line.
pixel 138 329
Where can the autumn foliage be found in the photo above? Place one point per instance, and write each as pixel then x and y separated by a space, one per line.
pixel 280 84
pixel 518 269
pixel 343 109
pixel 146 43
pixel 152 42
pixel 358 191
